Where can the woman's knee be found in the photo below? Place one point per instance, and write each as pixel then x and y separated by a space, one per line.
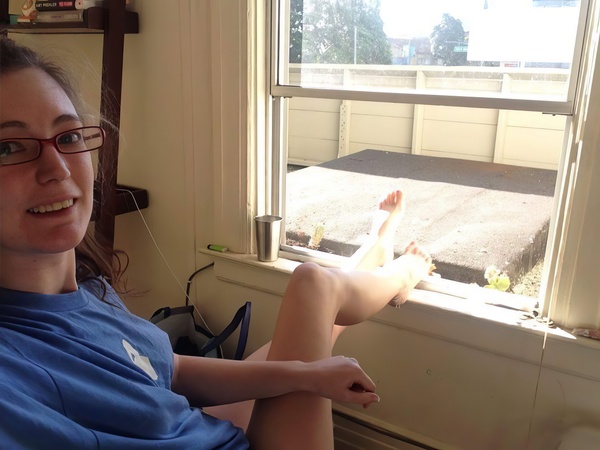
pixel 312 278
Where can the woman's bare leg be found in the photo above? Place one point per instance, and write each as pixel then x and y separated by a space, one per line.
pixel 379 247
pixel 378 250
pixel 316 299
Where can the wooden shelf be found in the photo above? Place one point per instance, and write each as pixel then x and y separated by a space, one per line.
pixel 127 199
pixel 126 203
pixel 95 20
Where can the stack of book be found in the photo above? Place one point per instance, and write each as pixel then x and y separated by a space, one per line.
pixel 63 11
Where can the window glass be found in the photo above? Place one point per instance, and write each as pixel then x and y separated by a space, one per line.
pixel 499 49
pixel 479 181
pixel 479 184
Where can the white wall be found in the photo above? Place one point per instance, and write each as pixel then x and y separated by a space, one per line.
pixel 155 154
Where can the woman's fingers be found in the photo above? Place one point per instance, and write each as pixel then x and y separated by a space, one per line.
pixel 364 397
pixel 342 379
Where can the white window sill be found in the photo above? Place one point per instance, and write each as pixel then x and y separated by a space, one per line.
pixel 469 322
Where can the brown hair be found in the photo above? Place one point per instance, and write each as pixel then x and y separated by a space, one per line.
pixel 94 256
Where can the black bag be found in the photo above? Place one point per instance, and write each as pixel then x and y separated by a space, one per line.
pixel 189 338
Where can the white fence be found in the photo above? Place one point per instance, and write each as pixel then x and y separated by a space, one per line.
pixel 322 130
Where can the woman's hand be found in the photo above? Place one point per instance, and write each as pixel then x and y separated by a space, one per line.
pixel 340 379
pixel 214 381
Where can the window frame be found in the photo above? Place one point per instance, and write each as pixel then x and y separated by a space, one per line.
pixel 282 90
pixel 567 171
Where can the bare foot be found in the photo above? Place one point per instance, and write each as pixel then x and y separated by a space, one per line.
pixel 379 250
pixel 418 263
pixel 392 210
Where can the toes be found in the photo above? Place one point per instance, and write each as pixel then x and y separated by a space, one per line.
pixel 414 249
pixel 411 248
pixel 393 198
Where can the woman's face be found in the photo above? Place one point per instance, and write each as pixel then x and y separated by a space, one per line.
pixel 33 105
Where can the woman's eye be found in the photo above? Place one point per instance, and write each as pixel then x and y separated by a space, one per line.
pixel 69 138
pixel 8 148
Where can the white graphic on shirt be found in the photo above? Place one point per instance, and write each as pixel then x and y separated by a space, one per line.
pixel 141 361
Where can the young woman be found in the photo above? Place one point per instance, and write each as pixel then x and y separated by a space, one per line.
pixel 78 371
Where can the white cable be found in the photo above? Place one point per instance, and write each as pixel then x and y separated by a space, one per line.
pixel 165 259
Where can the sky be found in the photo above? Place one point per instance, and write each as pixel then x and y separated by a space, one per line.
pixel 399 23
pixel 552 27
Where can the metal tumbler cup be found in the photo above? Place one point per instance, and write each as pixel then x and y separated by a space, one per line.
pixel 268 234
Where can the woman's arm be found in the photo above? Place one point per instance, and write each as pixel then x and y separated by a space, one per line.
pixel 213 381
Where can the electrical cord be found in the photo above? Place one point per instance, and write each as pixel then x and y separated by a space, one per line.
pixel 186 291
pixel 189 281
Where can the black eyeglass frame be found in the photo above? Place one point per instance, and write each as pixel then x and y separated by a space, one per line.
pixel 54 142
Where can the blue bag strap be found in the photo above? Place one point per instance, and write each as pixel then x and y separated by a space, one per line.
pixel 241 316
pixel 165 312
pixel 245 328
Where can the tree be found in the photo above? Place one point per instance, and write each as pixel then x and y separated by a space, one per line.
pixel 296 20
pixel 447 37
pixel 338 32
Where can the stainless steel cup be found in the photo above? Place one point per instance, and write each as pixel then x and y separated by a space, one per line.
pixel 268 234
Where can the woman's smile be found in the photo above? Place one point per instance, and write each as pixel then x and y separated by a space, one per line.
pixel 53 207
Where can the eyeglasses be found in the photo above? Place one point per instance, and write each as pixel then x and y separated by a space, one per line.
pixel 78 140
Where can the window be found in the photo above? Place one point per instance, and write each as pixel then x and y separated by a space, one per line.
pixel 460 53
pixel 466 103
pixel 497 363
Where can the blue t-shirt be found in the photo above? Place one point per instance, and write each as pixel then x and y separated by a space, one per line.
pixel 80 373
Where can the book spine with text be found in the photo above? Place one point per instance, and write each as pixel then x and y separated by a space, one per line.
pixel 66 5
pixel 59 16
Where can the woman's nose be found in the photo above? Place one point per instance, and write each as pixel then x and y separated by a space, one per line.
pixel 52 165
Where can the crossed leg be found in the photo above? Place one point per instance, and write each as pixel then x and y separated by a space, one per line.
pixel 317 304
pixel 379 247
